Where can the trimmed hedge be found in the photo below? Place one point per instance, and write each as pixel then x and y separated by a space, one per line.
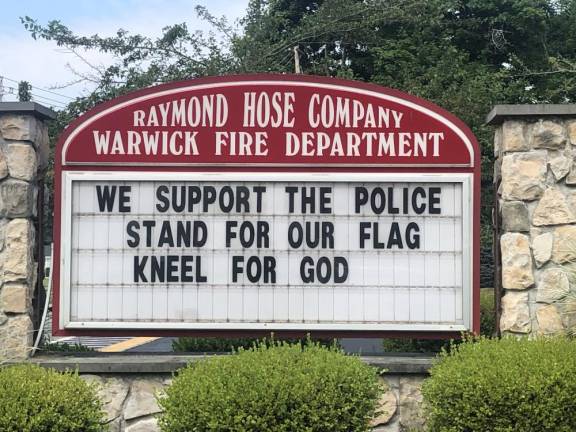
pixel 34 399
pixel 505 385
pixel 487 312
pixel 221 345
pixel 273 387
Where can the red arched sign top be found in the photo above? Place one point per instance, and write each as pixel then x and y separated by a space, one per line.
pixel 268 120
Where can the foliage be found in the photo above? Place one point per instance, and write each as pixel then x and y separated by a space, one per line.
pixel 34 399
pixel 408 345
pixel 24 89
pixel 487 312
pixel 190 344
pixel 206 345
pixel 178 53
pixel 63 347
pixel 503 385
pixel 273 387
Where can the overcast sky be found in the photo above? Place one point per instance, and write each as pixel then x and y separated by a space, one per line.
pixel 44 65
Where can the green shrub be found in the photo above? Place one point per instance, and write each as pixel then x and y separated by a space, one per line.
pixel 505 385
pixel 219 345
pixel 414 345
pixel 273 387
pixel 34 399
pixel 63 347
pixel 190 344
pixel 487 312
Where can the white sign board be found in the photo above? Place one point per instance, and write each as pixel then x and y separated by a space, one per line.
pixel 286 251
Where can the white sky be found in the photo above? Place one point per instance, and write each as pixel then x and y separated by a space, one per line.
pixel 44 65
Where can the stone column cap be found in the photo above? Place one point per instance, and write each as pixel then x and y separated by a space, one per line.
pixel 511 111
pixel 32 108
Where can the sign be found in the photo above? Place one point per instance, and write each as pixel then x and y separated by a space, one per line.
pixel 266 203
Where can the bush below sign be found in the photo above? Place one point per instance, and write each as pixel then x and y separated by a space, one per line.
pixel 274 387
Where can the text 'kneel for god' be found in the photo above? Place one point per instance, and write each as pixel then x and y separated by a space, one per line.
pixel 238 233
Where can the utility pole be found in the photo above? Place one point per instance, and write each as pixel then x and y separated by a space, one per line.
pixel 297 60
pixel 326 60
pixel 1 88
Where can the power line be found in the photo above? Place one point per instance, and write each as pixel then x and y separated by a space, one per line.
pixel 48 99
pixel 51 104
pixel 43 99
pixel 51 92
pixel 41 89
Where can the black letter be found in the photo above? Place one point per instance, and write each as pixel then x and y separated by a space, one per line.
pixel 413 241
pixel 226 190
pixel 298 242
pixel 178 207
pixel 183 233
pixel 327 235
pixel 394 238
pixel 236 267
pixel 229 233
pixel 433 199
pixel 340 269
pixel 163 199
pixel 378 209
pixel 199 276
pixel 391 208
pixel 308 200
pixel 139 268
pixel 131 231
pixel 323 262
pixel 194 197
pixel 157 269
pixel 291 190
pixel 209 197
pixel 124 206
pixel 325 200
pixel 418 209
pixel 269 269
pixel 200 234
pixel 106 198
pixel 361 198
pixel 166 237
pixel 363 234
pixel 262 235
pixel 148 224
pixel 254 277
pixel 307 278
pixel 172 268
pixel 186 269
pixel 242 194
pixel 259 190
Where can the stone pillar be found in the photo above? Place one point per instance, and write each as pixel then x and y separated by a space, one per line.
pixel 24 151
pixel 535 147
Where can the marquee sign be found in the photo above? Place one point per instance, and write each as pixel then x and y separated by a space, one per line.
pixel 266 203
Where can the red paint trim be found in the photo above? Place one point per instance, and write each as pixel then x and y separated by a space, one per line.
pixel 475 170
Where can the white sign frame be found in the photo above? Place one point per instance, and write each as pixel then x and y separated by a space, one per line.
pixel 66 251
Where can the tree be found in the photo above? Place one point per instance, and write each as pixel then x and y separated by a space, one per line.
pixel 24 89
pixel 177 54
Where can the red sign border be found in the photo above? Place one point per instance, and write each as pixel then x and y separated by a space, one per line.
pixel 475 170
